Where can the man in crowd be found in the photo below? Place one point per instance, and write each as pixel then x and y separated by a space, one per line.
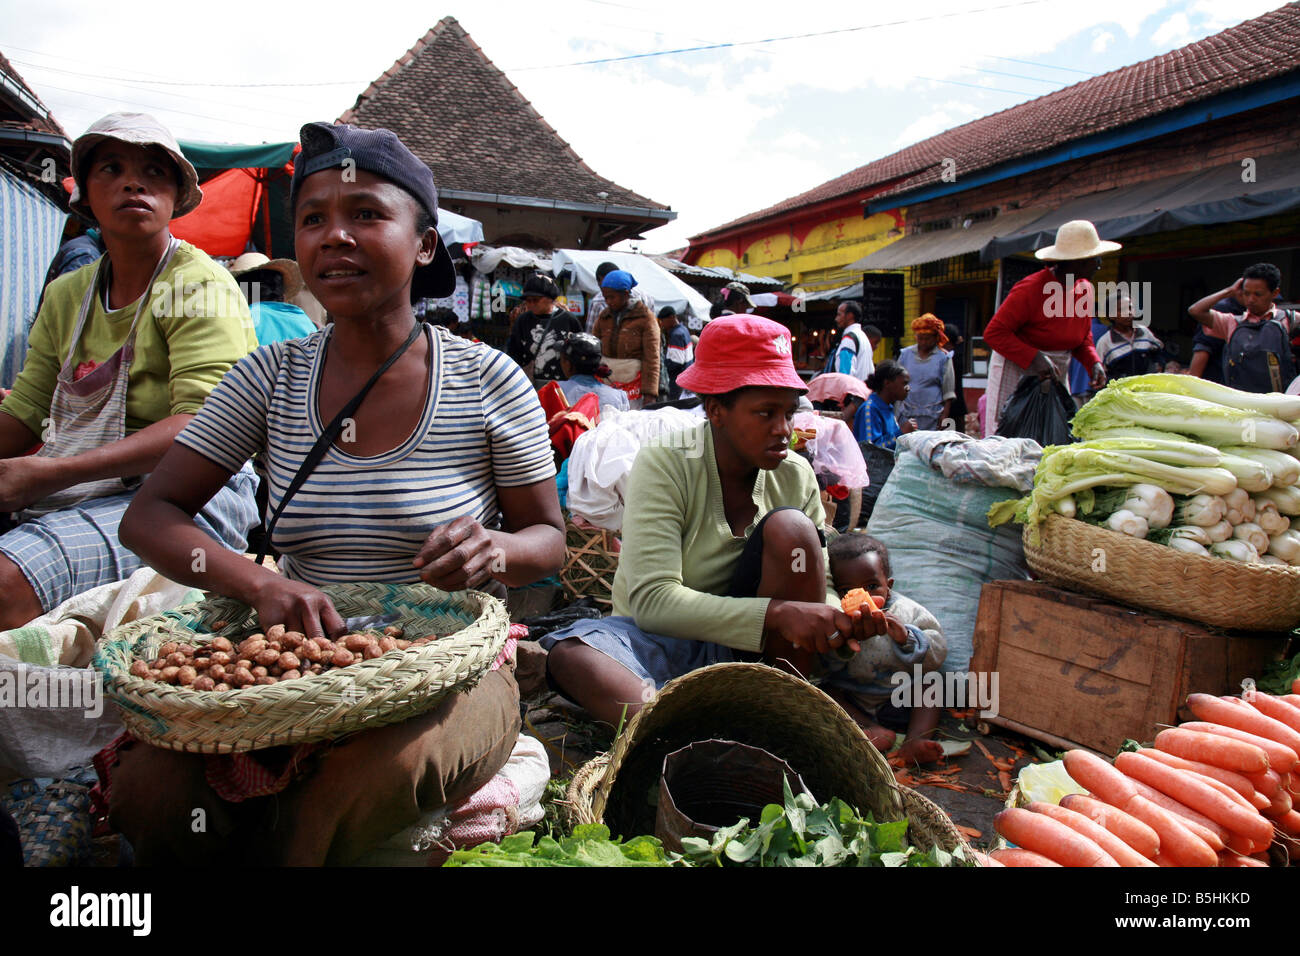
pixel 679 352
pixel 853 356
pixel 1257 345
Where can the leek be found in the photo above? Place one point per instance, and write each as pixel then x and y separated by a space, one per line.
pixel 1202 510
pixel 1285 468
pixel 1189 546
pixel 1275 404
pixel 1287 500
pixel 1185 532
pixel 1249 531
pixel 1219 532
pixel 1235 550
pixel 1285 546
pixel 1118 407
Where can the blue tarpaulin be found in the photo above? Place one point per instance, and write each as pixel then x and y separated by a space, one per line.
pixel 31 228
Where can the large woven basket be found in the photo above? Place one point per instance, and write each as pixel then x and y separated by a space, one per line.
pixel 1214 591
pixel 928 825
pixel 385 690
pixel 751 704
pixel 590 560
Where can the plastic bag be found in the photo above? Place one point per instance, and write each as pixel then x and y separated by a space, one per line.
pixel 835 453
pixel 1038 409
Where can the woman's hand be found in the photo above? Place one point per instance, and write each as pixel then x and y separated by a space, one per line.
pixel 908 427
pixel 26 480
pixel 819 628
pixel 457 555
pixel 298 606
pixel 1098 378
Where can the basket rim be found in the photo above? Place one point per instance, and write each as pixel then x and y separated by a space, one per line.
pixel 144 701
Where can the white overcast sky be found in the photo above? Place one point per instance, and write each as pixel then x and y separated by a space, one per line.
pixel 712 133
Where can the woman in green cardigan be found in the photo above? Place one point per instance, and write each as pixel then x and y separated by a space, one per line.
pixel 723 556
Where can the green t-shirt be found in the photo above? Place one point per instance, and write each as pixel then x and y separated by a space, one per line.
pixel 194 327
pixel 679 554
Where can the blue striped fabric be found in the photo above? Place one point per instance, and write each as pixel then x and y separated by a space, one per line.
pixel 31 228
pixel 364 519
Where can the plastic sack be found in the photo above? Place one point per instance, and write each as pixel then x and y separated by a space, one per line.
pixel 996 462
pixel 1038 409
pixel 835 453
pixel 880 464
pixel 941 548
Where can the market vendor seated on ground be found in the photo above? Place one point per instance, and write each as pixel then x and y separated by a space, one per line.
pixel 445 477
pixel 722 556
pixel 122 354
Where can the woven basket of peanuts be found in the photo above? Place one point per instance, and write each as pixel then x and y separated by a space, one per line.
pixel 205 679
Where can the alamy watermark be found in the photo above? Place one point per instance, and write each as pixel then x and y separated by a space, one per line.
pixel 1065 301
pixel 70 688
pixel 954 690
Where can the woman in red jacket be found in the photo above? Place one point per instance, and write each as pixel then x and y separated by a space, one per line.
pixel 1047 317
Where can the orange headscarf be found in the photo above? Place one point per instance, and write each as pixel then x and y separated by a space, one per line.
pixel 931 323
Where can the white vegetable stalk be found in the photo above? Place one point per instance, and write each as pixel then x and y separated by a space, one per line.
pixel 1235 550
pixel 1189 546
pixel 1273 559
pixel 1126 522
pixel 1269 518
pixel 1285 467
pixel 1240 507
pixel 1286 407
pixel 1202 510
pixel 1287 499
pixel 1249 531
pixel 1250 474
pixel 1219 532
pixel 1122 405
pixel 1066 506
pixel 1186 532
pixel 1285 546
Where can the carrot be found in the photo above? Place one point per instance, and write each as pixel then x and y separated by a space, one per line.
pixel 1280 757
pixel 1212 749
pixel 1178 845
pixel 1236 859
pixel 1193 790
pixel 1054 840
pixel 1292 699
pixel 855 599
pixel 1110 844
pixel 1011 857
pixel 1127 827
pixel 1276 708
pixel 1235 712
pixel 1290 823
pixel 1214 835
pixel 1295 686
pixel 1267 783
pixel 1229 778
pixel 1099 778
pixel 1280 806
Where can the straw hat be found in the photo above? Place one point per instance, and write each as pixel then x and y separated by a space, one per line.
pixel 752 704
pixel 255 261
pixel 1077 239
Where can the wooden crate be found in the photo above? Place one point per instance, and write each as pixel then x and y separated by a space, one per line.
pixel 1075 670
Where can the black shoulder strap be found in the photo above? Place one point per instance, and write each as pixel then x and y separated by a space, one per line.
pixel 327 437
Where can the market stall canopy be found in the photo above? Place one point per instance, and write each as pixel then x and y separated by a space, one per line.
pixel 1200 198
pixel 664 287
pixel 922 247
pixel 830 295
pixel 455 228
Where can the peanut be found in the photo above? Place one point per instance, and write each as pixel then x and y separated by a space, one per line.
pixel 372 651
pixel 220 625
pixel 222 644
pixel 186 675
pixel 222 657
pixel 275 632
pixel 242 677
pixel 260 671
pixel 343 657
pixel 267 657
pixel 252 646
pixel 168 648
pixel 169 674
pixel 139 669
pixel 187 649
pixel 222 686
pixel 310 651
pixel 176 659
pixel 401 644
pixel 202 663
pixel 292 640
pixel 290 675
pixel 245 663
pixel 316 668
pixel 356 642
pixel 394 631
pixel 266 681
pixel 204 683
pixel 217 672
pixel 289 661
pixel 155 673
pixel 387 644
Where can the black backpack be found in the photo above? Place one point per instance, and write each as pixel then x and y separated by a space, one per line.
pixel 1257 356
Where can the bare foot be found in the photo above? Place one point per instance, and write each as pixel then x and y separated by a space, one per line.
pixel 920 751
pixel 881 737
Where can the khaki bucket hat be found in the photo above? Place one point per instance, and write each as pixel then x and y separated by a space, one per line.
pixel 139 129
pixel 256 261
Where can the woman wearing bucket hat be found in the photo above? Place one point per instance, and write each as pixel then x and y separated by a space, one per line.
pixel 722 556
pixel 1047 317
pixel 122 354
pixel 429 462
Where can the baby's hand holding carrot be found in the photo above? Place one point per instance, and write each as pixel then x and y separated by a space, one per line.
pixel 868 619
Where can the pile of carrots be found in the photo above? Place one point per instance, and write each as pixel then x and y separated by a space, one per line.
pixel 1216 791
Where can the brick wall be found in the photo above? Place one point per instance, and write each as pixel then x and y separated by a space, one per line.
pixel 1255 134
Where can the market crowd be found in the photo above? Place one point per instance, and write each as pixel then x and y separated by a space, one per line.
pixel 150 410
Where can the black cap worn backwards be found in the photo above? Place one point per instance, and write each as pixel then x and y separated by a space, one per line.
pixel 378 151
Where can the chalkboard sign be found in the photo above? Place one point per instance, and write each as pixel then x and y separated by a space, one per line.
pixel 1013 270
pixel 882 302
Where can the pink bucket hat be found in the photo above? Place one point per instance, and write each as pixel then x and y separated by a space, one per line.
pixel 736 351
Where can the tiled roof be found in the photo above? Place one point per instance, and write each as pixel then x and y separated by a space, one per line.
pixel 1250 52
pixel 37 119
pixel 459 113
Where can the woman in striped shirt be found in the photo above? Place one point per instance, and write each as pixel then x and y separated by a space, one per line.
pixel 443 474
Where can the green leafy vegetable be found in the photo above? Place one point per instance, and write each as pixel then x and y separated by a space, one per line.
pixel 590 845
